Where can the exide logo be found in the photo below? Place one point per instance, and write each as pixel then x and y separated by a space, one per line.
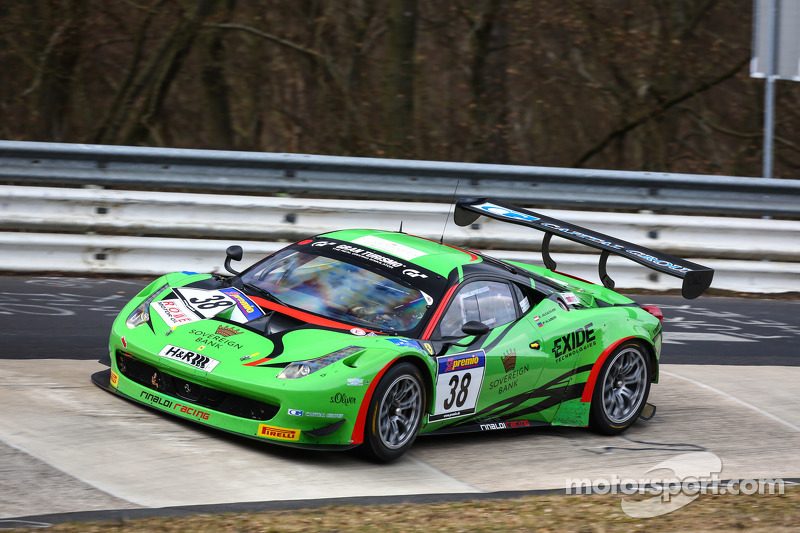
pixel 574 340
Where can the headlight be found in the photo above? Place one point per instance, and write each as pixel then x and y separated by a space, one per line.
pixel 141 314
pixel 303 368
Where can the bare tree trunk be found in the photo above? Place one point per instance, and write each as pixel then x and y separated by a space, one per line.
pixel 142 99
pixel 56 70
pixel 354 131
pixel 489 83
pixel 402 38
pixel 179 45
pixel 105 131
pixel 215 86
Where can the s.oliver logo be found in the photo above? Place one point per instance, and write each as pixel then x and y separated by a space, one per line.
pixel 343 399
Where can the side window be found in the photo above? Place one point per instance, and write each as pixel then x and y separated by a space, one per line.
pixel 527 297
pixel 490 302
pixel 524 301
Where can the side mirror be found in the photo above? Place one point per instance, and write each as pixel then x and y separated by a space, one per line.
pixel 233 253
pixel 473 327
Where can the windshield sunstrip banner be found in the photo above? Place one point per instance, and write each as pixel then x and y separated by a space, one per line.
pixel 383 263
pixel 696 278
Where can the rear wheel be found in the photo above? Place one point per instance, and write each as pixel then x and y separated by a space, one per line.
pixel 395 413
pixel 621 390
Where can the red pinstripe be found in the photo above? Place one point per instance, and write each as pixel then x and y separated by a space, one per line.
pixel 588 389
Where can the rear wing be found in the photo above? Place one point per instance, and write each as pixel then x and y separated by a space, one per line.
pixel 696 278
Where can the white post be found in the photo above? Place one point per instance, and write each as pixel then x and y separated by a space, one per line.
pixel 769 93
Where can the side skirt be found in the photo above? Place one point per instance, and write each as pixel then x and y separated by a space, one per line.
pixel 486 425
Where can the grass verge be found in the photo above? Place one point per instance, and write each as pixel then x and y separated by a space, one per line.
pixel 557 513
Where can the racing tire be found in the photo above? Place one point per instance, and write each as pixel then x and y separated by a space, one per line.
pixel 621 390
pixel 395 414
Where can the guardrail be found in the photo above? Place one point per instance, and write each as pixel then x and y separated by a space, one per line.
pixel 32 163
pixel 115 231
pixel 103 254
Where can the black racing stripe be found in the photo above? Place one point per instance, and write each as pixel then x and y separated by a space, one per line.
pixel 551 391
pixel 277 340
pixel 245 325
pixel 207 283
pixel 570 392
pixel 489 347
pixel 546 392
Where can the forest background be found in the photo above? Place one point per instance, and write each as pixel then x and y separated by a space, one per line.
pixel 657 85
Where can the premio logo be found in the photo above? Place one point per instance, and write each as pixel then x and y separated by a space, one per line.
pixel 463 363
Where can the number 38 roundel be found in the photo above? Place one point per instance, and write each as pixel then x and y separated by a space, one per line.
pixel 207 303
pixel 458 384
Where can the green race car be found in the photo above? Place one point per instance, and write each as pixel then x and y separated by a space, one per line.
pixel 369 338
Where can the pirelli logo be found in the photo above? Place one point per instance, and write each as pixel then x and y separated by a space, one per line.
pixel 276 433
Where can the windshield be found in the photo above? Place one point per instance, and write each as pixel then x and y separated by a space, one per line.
pixel 339 291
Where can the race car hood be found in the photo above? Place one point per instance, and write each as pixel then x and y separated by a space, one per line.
pixel 233 350
pixel 238 346
pixel 207 329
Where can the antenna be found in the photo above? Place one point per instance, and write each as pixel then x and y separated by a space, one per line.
pixel 449 209
pixel 401 227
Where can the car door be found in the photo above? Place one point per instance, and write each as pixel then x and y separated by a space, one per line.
pixel 564 334
pixel 489 374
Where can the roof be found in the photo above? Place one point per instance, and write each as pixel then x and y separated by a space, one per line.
pixel 438 258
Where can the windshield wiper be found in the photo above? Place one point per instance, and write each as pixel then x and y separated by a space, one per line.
pixel 263 292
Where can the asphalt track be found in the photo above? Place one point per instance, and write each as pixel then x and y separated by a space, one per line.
pixel 729 379
pixel 69 318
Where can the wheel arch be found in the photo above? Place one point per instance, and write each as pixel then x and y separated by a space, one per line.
pixel 651 353
pixel 427 376
pixel 644 342
pixel 357 436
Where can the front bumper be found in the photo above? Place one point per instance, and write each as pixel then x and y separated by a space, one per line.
pixel 285 423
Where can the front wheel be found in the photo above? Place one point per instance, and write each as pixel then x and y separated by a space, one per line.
pixel 621 390
pixel 394 414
